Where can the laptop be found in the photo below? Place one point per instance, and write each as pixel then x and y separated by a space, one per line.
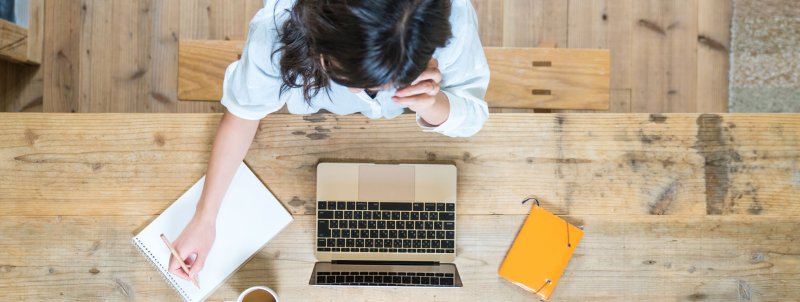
pixel 386 225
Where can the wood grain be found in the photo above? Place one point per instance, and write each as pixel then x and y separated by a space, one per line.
pixel 13 42
pixel 535 23
pixel 713 54
pixel 36 18
pixel 635 257
pixel 490 21
pixel 576 163
pixel 572 78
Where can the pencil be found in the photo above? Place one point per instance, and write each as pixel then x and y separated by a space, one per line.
pixel 180 259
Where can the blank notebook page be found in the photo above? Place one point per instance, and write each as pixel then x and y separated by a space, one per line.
pixel 250 216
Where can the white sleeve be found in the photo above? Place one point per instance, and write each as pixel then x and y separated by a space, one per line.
pixel 252 85
pixel 465 77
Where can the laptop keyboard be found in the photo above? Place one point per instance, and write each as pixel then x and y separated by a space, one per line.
pixel 385 279
pixel 386 227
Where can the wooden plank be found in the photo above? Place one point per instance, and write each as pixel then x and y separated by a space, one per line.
pixel 607 25
pixel 201 67
pixel 62 56
pixel 677 164
pixel 36 17
pixel 535 23
pixel 490 21
pixel 13 42
pixel 553 78
pixel 20 87
pixel 636 258
pixel 561 79
pixel 664 56
pixel 713 54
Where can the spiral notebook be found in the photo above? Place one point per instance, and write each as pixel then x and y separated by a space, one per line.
pixel 250 217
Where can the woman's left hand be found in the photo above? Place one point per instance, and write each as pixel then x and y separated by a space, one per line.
pixel 423 96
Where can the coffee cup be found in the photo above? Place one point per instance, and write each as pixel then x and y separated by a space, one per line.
pixel 258 294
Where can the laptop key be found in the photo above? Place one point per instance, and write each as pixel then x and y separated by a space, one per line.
pixel 386 215
pixel 450 207
pixel 395 206
pixel 418 206
pixel 400 225
pixel 322 229
pixel 382 225
pixel 364 234
pixel 373 234
pixel 361 206
pixel 350 242
pixel 419 225
pixel 434 280
pixel 357 215
pixel 437 225
pixel 378 243
pixel 426 244
pixel 440 235
pixel 448 244
pixel 440 207
pixel 431 234
pixel 433 216
pixel 352 224
pixel 376 215
pixel 414 216
pixel 407 244
pixel 331 205
pixel 449 251
pixel 412 234
pixel 351 205
pixel 331 243
pixel 446 281
pixel 405 215
pixel 402 234
pixel 421 235
pixel 321 242
pixel 372 224
pixel 447 216
pixel 355 234
pixel 322 205
pixel 450 235
pixel 449 225
pixel 390 225
pixel 359 242
pixel 368 242
pixel 339 215
pixel 392 233
pixel 430 207
pixel 340 243
pixel 336 233
pixel 345 233
pixel 429 225
pixel 348 214
pixel 334 224
pixel 398 243
pixel 417 244
pixel 436 244
pixel 423 216
pixel 367 215
pixel 341 205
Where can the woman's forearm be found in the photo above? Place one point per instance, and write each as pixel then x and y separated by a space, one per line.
pixel 233 139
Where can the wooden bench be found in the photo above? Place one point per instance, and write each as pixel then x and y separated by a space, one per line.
pixel 534 78
pixel 676 206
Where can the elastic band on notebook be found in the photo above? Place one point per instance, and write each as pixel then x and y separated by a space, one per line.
pixel 546 282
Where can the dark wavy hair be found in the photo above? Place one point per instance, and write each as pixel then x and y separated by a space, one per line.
pixel 363 43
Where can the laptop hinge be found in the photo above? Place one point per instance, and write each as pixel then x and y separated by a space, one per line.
pixel 373 262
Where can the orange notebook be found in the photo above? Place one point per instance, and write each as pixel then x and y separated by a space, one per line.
pixel 540 252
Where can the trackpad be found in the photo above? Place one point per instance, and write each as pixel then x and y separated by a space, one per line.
pixel 385 183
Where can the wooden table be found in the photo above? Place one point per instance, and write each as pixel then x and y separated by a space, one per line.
pixel 676 207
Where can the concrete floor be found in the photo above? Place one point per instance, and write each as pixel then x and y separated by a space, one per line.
pixel 765 60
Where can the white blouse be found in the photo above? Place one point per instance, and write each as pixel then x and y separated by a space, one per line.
pixel 252 84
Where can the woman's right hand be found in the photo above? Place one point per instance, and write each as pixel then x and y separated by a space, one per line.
pixel 193 245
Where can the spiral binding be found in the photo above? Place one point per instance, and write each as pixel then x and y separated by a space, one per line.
pixel 164 273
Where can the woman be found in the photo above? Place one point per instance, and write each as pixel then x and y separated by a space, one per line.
pixel 375 57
